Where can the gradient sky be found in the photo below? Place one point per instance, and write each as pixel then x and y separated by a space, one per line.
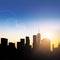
pixel 19 18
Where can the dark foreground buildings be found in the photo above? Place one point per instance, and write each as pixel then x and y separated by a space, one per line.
pixel 24 51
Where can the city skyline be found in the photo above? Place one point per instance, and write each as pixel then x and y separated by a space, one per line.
pixel 36 42
pixel 29 29
pixel 40 50
pixel 20 18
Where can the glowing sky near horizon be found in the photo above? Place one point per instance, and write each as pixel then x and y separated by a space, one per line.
pixel 20 18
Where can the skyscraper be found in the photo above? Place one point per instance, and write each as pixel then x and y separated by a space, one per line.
pixel 34 42
pixel 4 41
pixel 18 45
pixel 38 39
pixel 27 41
pixel 22 43
pixel 45 45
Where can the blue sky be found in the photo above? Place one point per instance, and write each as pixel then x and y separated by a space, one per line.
pixel 29 9
pixel 20 17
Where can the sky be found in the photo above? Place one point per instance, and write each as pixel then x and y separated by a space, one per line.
pixel 20 18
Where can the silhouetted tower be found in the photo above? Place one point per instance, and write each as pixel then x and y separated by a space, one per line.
pixel 38 40
pixel 45 45
pixel 4 41
pixel 18 45
pixel 11 44
pixel 22 43
pixel 27 41
pixel 34 42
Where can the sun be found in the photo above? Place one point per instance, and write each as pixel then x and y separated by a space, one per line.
pixel 48 35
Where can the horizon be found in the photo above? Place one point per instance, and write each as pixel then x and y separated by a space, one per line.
pixel 20 18
pixel 46 36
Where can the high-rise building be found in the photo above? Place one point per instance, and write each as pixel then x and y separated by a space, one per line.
pixel 56 50
pixel 45 45
pixel 34 42
pixel 27 41
pixel 11 44
pixel 22 43
pixel 38 40
pixel 4 41
pixel 18 45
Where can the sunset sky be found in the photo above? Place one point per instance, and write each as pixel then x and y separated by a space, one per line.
pixel 20 18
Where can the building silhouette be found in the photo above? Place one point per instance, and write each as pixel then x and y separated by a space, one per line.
pixel 45 45
pixel 34 42
pixel 18 45
pixel 11 44
pixel 40 50
pixel 27 41
pixel 4 41
pixel 56 49
pixel 38 40
pixel 22 43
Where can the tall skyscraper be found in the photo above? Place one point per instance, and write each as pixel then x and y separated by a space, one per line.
pixel 38 39
pixel 27 41
pixel 18 45
pixel 45 45
pixel 22 43
pixel 34 42
pixel 4 41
